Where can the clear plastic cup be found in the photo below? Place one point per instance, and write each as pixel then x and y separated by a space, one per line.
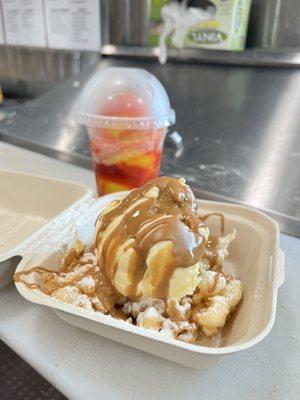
pixel 127 112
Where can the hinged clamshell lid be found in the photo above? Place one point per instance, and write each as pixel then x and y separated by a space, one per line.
pixel 29 206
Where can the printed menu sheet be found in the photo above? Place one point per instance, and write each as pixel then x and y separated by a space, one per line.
pixel 24 22
pixel 73 24
pixel 2 39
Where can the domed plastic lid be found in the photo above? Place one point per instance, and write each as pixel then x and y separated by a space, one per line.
pixel 124 98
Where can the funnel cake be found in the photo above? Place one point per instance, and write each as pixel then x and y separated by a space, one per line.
pixel 154 264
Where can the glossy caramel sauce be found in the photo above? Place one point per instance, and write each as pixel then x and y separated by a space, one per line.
pixel 103 289
pixel 211 251
pixel 138 222
pixel 18 276
pixel 174 313
pixel 162 210
pixel 205 217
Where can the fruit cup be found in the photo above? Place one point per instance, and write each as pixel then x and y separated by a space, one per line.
pixel 126 112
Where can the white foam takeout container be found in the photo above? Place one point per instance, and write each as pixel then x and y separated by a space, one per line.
pixel 28 204
pixel 255 258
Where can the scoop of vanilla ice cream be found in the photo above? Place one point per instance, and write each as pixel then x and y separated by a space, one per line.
pixel 141 239
pixel 183 281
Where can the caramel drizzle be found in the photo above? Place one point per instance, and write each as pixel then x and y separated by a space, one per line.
pixel 146 221
pixel 205 217
pixel 172 216
pixel 103 289
pixel 215 283
pixel 213 241
pixel 40 270
pixel 174 313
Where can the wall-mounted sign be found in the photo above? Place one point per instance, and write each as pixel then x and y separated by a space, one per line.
pixel 73 24
pixel 2 38
pixel 24 22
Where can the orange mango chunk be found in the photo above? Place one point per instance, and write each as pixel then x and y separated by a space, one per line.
pixel 111 187
pixel 144 161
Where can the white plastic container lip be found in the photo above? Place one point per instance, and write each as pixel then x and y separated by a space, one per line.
pixel 255 258
pixel 29 205
pixel 108 83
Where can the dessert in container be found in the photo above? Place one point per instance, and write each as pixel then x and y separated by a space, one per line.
pixel 255 258
pixel 28 204
pixel 127 112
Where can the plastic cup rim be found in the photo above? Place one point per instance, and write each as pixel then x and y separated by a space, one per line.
pixel 103 121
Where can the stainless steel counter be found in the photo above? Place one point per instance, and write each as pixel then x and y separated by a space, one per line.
pixel 240 126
